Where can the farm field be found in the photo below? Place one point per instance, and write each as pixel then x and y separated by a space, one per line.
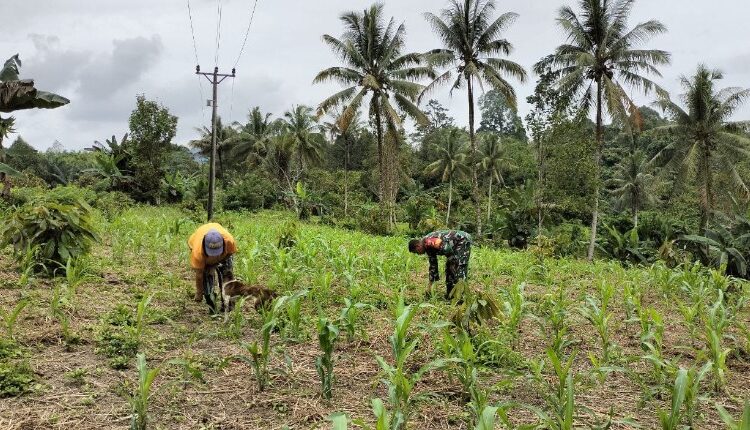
pixel 626 332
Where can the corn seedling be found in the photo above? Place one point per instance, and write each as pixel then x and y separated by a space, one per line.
pixel 350 316
pixel 399 380
pixel 339 421
pixel 715 324
pixel 142 315
pixel 293 306
pixel 236 320
pixel 140 398
pixel 10 318
pixel 191 369
pixel 598 314
pixel 670 420
pixel 554 320
pixel 259 354
pixel 59 303
pixel 460 350
pixel 383 419
pixel 486 418
pixel 692 394
pixel 327 334
pixel 560 397
pixel 285 272
pixel 514 309
pixel 743 423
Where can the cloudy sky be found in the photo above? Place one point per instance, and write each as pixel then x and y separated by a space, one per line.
pixel 101 53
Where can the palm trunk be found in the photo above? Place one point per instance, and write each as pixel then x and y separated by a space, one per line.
pixel 346 179
pixel 450 200
pixel 635 214
pixel 597 161
pixel 473 140
pixel 4 179
pixel 489 202
pixel 540 191
pixel 704 164
pixel 381 167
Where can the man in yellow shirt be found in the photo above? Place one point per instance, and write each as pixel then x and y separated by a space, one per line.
pixel 211 245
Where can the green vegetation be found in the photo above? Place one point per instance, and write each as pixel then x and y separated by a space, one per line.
pixel 321 200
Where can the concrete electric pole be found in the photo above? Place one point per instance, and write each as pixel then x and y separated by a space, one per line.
pixel 215 80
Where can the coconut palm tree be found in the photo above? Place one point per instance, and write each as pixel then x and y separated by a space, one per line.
pixel 705 141
pixel 374 65
pixel 307 140
pixel 254 138
pixel 472 48
pixel 600 56
pixel 226 139
pixel 451 163
pixel 332 129
pixel 633 184
pixel 493 163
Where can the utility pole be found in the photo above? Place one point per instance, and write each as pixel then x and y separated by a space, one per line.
pixel 215 81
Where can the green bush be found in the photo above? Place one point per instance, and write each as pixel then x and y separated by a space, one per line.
pixel 58 226
pixel 112 204
pixel 371 219
pixel 15 378
pixel 117 337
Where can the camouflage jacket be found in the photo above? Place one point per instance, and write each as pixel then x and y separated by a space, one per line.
pixel 453 244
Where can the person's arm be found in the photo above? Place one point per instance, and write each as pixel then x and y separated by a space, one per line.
pixel 198 285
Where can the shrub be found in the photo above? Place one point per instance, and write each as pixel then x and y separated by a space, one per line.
pixel 250 191
pixel 60 229
pixel 112 204
pixel 15 378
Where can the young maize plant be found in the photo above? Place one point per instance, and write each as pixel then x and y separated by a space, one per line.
pixel 285 272
pixel 559 397
pixel 514 310
pixel 260 354
pixel 459 349
pixel 743 423
pixel 670 420
pixel 142 315
pixel 717 353
pixel 294 314
pixel 598 314
pixel 398 378
pixel 652 342
pixel 140 398
pixel 692 393
pixel 486 418
pixel 236 320
pixel 59 303
pixel 350 316
pixel 10 318
pixel 327 335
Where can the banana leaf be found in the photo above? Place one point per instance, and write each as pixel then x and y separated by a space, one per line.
pixel 4 168
pixel 17 94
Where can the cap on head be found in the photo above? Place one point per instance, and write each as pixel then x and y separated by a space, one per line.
pixel 213 243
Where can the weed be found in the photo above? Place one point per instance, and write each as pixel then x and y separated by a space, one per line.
pixel 236 321
pixel 77 376
pixel 16 378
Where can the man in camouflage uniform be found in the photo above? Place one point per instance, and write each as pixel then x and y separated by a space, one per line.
pixel 455 245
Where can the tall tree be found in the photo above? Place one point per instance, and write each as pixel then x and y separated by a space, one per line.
pixel 493 164
pixel 599 57
pixel 451 163
pixel 374 65
pixel 152 128
pixel 706 142
pixel 472 49
pixel 499 117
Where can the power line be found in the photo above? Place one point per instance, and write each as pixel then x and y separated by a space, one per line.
pixel 195 51
pixel 247 32
pixel 218 33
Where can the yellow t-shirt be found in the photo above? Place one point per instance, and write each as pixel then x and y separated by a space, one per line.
pixel 195 242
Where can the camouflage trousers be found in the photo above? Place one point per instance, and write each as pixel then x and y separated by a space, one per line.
pixel 457 266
